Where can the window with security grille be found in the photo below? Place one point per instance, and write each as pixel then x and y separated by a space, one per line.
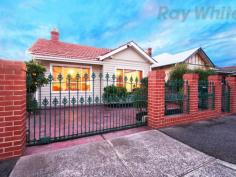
pixel 82 84
pixel 128 78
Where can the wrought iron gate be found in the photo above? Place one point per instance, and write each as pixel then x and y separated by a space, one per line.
pixel 78 106
pixel 206 95
pixel 225 99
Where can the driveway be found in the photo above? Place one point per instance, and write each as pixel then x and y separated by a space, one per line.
pixel 146 154
pixel 215 137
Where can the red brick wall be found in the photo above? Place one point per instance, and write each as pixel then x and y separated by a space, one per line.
pixel 156 100
pixel 232 83
pixel 156 97
pixel 12 108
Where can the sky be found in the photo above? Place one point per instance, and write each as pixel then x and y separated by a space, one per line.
pixel 168 26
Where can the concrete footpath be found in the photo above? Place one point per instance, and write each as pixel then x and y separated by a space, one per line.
pixel 146 154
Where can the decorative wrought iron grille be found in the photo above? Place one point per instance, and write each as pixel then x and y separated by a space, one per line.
pixel 206 95
pixel 176 97
pixel 104 107
pixel 225 99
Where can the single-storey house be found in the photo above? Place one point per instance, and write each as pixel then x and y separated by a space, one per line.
pixel 194 58
pixel 126 61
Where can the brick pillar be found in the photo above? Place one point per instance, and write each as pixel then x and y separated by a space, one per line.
pixel 192 80
pixel 156 98
pixel 217 80
pixel 232 83
pixel 12 108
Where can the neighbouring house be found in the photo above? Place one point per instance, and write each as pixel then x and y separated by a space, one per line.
pixel 228 70
pixel 194 58
pixel 123 62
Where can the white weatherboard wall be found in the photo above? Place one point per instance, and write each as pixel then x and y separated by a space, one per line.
pixel 196 61
pixel 45 91
pixel 126 59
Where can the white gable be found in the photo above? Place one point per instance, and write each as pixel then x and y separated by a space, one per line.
pixel 169 59
pixel 130 54
pixel 131 44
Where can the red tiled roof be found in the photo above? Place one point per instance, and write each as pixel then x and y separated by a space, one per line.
pixel 52 48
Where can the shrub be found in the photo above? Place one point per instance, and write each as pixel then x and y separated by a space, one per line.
pixel 140 94
pixel 203 74
pixel 114 94
pixel 179 70
pixel 35 78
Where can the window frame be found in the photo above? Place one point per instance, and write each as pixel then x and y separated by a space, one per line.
pixel 129 68
pixel 74 66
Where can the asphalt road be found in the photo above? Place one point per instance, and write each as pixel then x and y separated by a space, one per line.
pixel 6 166
pixel 215 137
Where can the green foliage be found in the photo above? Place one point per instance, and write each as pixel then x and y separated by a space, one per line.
pixel 144 82
pixel 114 94
pixel 35 76
pixel 140 95
pixel 179 70
pixel 203 74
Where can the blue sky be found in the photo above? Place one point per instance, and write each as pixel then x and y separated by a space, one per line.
pixel 106 23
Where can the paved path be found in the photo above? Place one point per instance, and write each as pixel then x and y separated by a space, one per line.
pixel 145 154
pixel 215 137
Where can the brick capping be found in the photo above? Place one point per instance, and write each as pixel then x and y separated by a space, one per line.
pixel 156 97
pixel 12 108
pixel 191 76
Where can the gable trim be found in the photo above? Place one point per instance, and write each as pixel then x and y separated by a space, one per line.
pixel 125 46
pixel 205 56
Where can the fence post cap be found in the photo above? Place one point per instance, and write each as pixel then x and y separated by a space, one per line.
pixel 231 79
pixel 191 76
pixel 215 77
pixel 157 73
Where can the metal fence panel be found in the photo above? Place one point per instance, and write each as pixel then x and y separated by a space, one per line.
pixel 62 115
pixel 176 97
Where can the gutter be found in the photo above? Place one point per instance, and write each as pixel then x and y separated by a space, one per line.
pixel 68 60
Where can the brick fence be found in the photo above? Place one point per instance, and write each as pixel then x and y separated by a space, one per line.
pixel 156 100
pixel 13 104
pixel 12 109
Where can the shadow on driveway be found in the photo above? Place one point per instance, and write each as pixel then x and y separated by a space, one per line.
pixel 6 166
pixel 215 137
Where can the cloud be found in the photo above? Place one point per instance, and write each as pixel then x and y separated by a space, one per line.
pixel 149 8
pixel 111 24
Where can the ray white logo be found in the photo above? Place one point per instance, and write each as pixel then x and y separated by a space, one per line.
pixel 212 12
